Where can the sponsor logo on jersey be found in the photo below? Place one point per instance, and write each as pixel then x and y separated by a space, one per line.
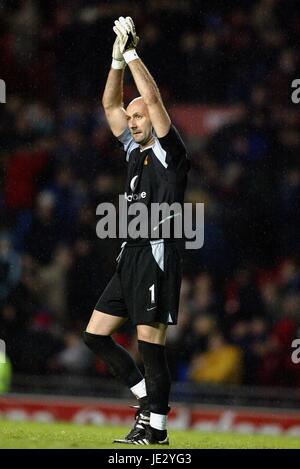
pixel 133 183
pixel 135 197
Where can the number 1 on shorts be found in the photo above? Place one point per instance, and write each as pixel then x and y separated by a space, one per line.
pixel 152 293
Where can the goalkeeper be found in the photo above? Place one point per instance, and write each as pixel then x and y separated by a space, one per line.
pixel 146 285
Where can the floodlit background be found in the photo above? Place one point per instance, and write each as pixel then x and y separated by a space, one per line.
pixel 225 71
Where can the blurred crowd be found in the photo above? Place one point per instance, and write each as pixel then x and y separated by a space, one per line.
pixel 240 297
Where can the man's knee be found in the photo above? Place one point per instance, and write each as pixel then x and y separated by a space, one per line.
pixel 117 359
pixel 96 342
pixel 154 333
pixel 104 324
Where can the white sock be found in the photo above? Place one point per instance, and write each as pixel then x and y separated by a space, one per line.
pixel 139 389
pixel 158 421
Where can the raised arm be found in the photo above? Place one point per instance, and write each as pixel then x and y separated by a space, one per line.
pixel 112 99
pixel 143 79
pixel 150 93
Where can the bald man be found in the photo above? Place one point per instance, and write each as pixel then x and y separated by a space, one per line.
pixel 146 285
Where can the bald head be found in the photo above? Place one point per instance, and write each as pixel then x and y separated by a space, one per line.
pixel 139 122
pixel 137 104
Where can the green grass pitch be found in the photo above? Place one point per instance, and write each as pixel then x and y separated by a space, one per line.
pixel 63 435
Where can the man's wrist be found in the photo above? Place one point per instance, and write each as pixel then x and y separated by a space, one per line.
pixel 130 55
pixel 118 64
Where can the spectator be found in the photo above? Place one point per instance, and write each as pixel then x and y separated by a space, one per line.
pixel 10 268
pixel 75 358
pixel 44 232
pixel 53 283
pixel 221 364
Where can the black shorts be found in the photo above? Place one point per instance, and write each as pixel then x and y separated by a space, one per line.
pixel 146 285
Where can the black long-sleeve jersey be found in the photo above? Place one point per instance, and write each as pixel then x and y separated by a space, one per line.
pixel 155 175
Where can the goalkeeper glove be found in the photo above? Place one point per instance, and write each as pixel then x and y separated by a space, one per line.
pixel 128 40
pixel 118 62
